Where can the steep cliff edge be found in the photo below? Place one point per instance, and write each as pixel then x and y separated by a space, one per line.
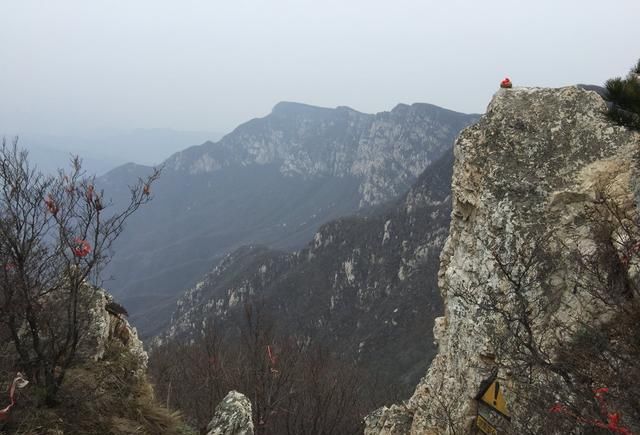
pixel 525 177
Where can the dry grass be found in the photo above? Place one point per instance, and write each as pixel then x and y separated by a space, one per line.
pixel 105 397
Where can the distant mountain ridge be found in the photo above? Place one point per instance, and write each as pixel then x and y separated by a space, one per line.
pixel 104 150
pixel 272 181
pixel 314 141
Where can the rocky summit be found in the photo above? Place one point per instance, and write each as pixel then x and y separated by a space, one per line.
pixel 271 181
pixel 524 176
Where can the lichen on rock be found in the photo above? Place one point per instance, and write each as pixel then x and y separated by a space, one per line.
pixel 232 416
pixel 104 327
pixel 525 170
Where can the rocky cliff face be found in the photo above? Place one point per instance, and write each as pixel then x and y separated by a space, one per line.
pixel 366 286
pixel 272 181
pixel 107 327
pixel 525 172
pixel 386 152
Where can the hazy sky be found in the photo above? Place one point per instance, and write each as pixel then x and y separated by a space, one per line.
pixel 71 66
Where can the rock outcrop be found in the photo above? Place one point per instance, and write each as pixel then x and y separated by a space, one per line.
pixel 106 327
pixel 525 172
pixel 232 416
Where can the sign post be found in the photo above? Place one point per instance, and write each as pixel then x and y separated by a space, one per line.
pixel 493 416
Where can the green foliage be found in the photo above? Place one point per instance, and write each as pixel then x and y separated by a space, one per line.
pixel 624 94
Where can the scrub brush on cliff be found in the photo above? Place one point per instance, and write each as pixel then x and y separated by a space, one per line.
pixel 116 309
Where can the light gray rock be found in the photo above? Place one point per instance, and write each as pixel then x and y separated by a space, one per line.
pixel 104 327
pixel 394 420
pixel 232 416
pixel 529 166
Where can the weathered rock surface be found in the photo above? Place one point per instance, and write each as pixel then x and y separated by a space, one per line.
pixel 232 416
pixel 105 327
pixel 526 169
pixel 393 420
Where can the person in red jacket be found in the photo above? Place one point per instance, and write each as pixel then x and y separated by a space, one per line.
pixel 506 83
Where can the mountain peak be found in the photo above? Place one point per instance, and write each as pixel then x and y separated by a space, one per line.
pixel 289 108
pixel 293 108
pixel 424 108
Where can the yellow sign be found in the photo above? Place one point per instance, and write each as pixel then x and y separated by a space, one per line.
pixel 485 427
pixel 494 397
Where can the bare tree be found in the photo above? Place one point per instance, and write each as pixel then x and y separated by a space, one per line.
pixel 326 397
pixel 295 385
pixel 56 234
pixel 195 376
pixel 269 362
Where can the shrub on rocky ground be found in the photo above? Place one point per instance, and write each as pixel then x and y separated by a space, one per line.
pixel 624 94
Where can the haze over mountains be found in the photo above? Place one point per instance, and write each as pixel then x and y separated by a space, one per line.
pixel 272 181
pixel 364 286
pixel 297 251
pixel 104 150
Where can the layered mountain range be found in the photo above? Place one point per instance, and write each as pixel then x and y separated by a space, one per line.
pixel 272 181
pixel 365 286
